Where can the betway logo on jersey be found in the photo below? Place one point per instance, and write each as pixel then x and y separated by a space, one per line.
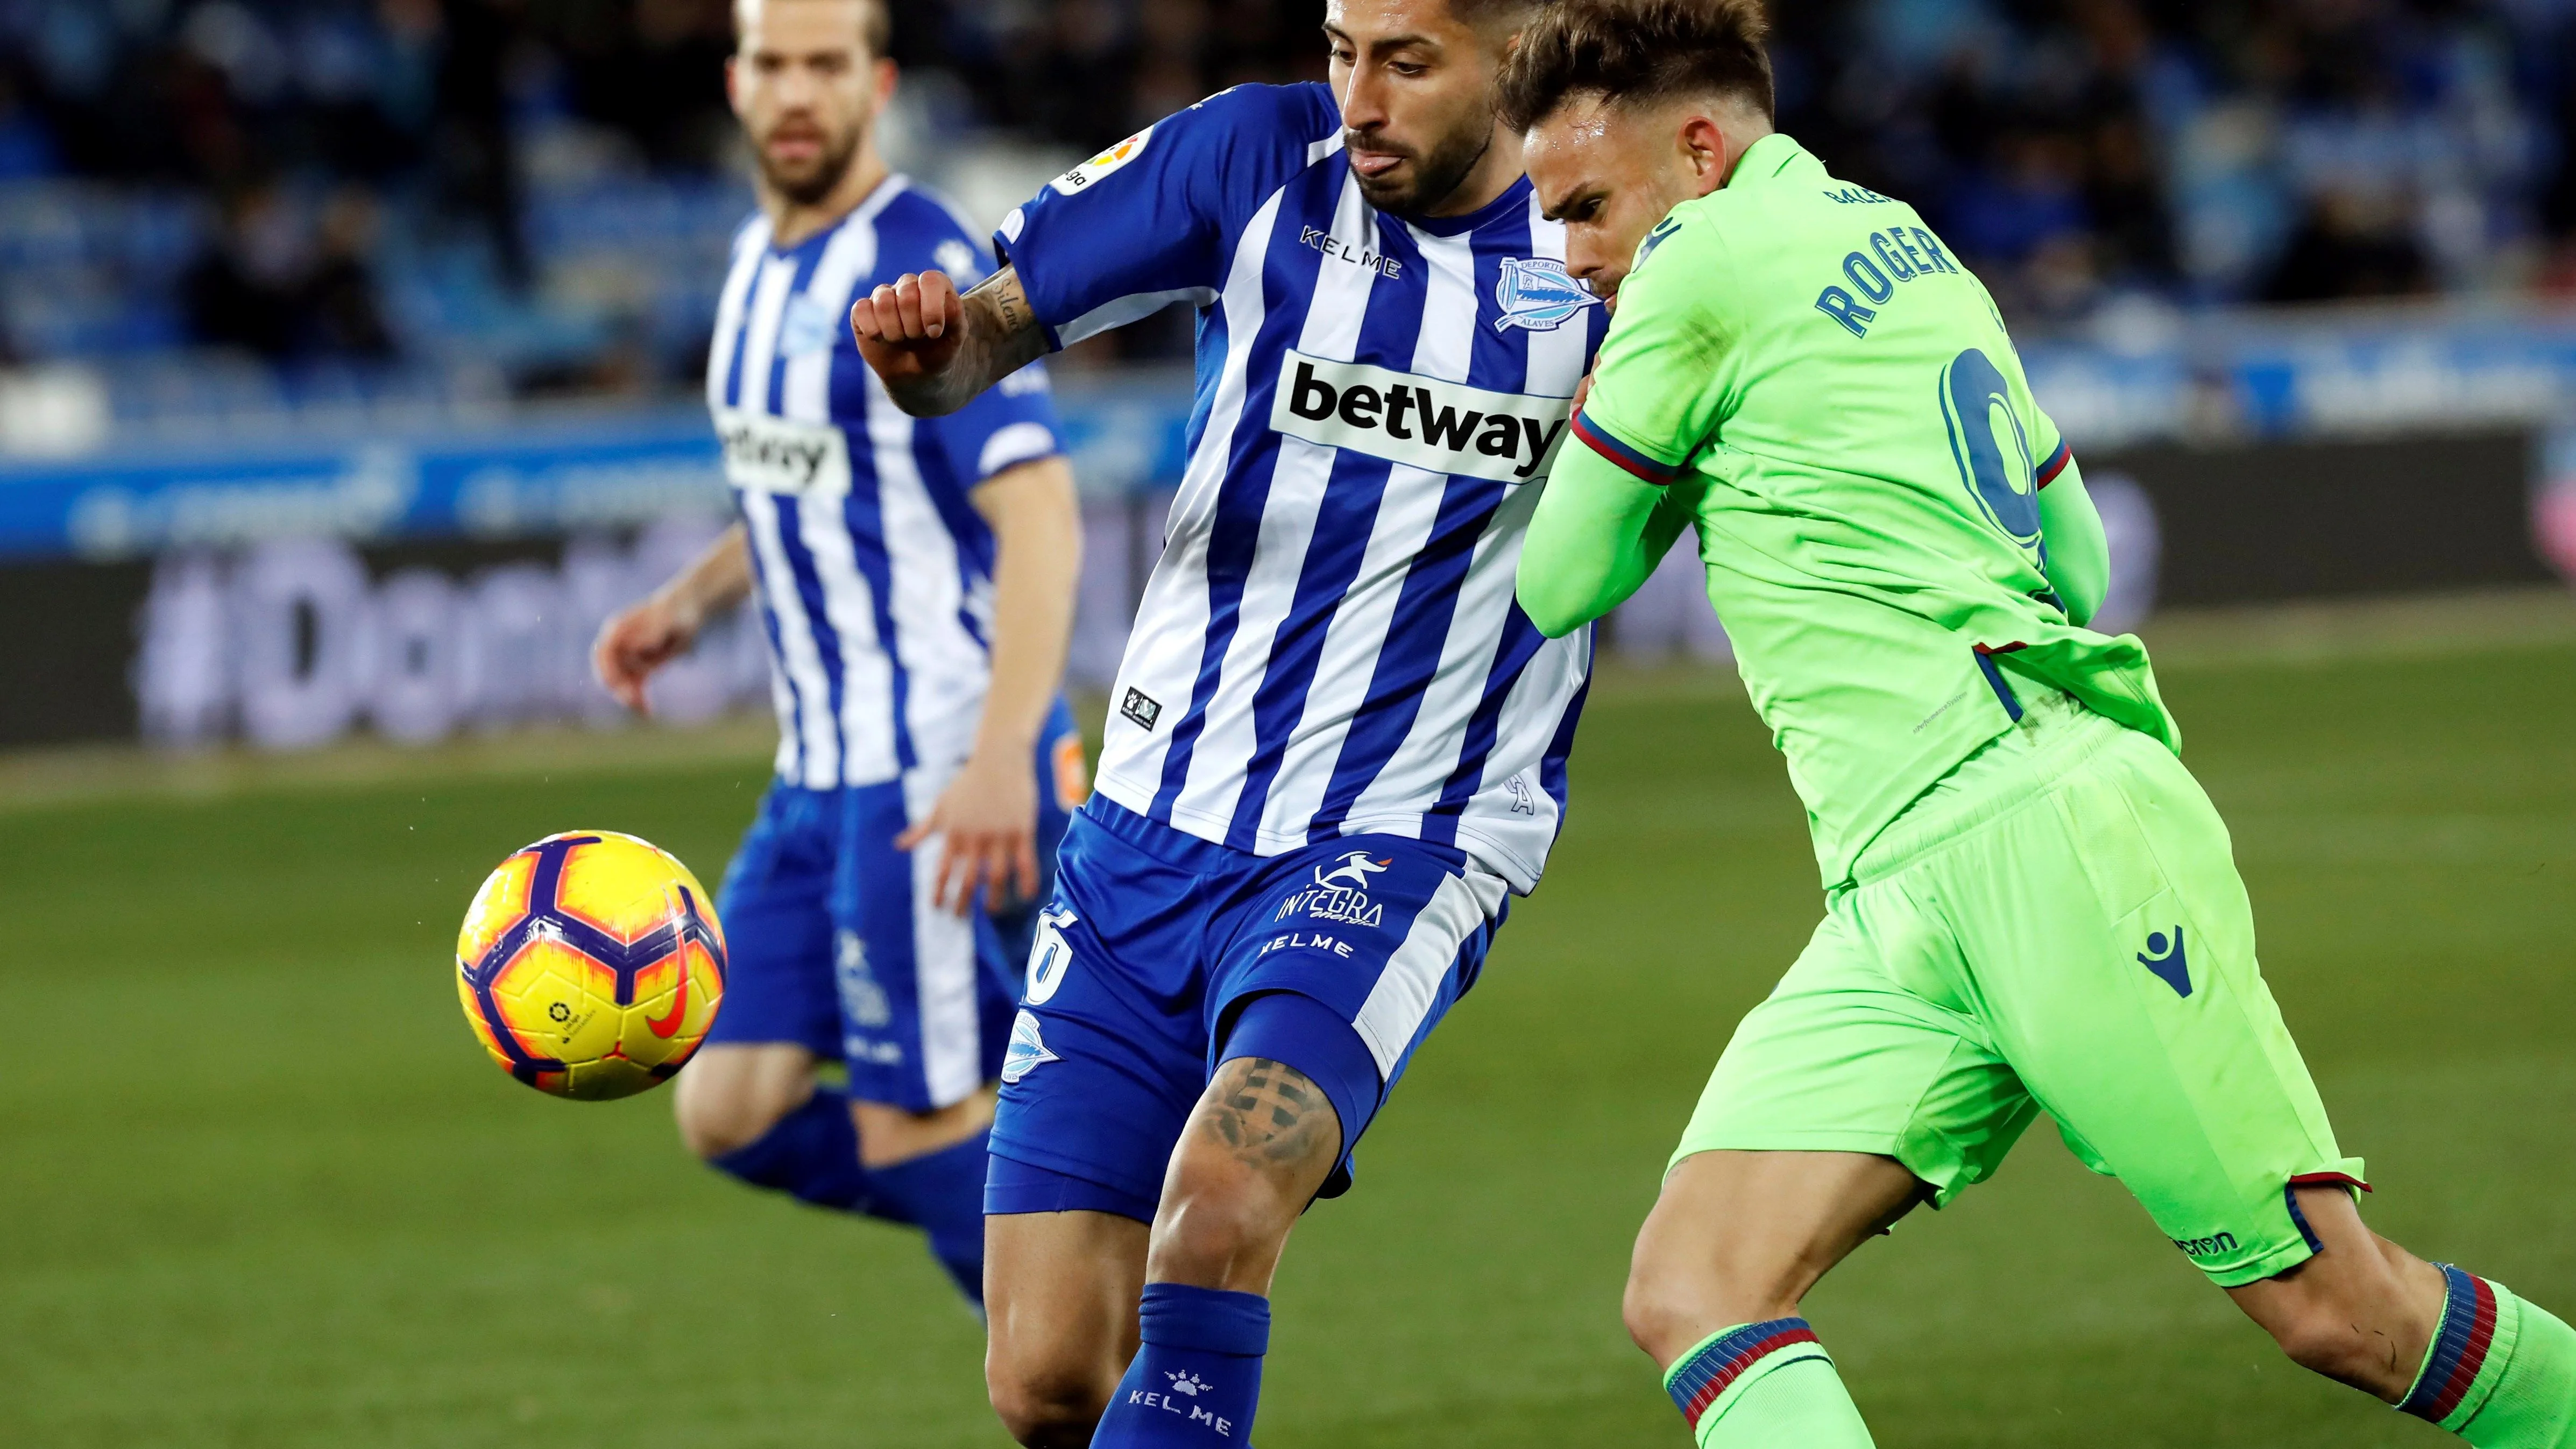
pixel 773 455
pixel 1446 427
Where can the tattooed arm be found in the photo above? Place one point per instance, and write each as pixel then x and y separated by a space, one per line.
pixel 937 350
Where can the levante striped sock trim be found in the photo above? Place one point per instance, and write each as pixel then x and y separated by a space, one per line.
pixel 1708 1371
pixel 2459 1349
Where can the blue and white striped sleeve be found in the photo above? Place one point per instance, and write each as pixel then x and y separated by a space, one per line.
pixel 1010 423
pixel 1144 224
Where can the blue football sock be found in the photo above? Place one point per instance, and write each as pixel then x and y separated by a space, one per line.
pixel 1197 1378
pixel 812 1155
pixel 944 1192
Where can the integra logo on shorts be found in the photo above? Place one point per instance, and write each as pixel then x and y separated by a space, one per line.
pixel 1339 893
pixel 1427 422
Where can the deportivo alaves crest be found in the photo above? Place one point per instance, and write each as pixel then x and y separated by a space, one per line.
pixel 1537 295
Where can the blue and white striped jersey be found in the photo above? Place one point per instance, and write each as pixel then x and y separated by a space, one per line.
pixel 1328 645
pixel 875 574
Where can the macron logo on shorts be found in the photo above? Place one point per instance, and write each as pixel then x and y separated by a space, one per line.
pixel 2167 961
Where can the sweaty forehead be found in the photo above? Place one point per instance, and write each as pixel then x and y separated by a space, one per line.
pixel 1572 149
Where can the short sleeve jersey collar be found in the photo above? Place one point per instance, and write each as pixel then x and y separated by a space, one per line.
pixel 1768 160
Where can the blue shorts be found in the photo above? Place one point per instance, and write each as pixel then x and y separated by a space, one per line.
pixel 834 943
pixel 1152 949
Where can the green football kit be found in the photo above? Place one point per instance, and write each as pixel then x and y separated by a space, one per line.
pixel 2030 906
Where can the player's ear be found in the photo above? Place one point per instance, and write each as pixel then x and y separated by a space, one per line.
pixel 887 72
pixel 1703 146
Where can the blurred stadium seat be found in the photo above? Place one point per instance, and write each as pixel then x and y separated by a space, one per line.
pixel 549 180
pixel 410 272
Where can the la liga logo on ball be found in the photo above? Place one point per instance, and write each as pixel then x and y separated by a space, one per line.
pixel 591 965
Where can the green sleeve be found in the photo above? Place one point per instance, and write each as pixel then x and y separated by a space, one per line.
pixel 1659 388
pixel 2079 555
pixel 1609 513
pixel 1595 537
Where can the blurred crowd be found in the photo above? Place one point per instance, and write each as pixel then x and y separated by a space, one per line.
pixel 537 192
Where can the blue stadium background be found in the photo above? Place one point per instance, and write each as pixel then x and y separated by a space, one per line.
pixel 348 347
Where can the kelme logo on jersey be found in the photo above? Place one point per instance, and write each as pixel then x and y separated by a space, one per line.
pixel 1028 1049
pixel 773 455
pixel 1088 174
pixel 1538 295
pixel 1445 427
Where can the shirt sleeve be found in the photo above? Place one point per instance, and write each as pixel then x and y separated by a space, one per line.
pixel 1010 423
pixel 1144 224
pixel 2075 552
pixel 1654 398
pixel 1595 539
pixel 2049 448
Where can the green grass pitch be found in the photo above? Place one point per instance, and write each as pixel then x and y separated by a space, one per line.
pixel 259 1188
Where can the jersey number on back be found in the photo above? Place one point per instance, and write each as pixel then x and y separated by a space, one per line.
pixel 1990 445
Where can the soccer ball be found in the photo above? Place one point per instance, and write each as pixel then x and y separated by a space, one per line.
pixel 591 965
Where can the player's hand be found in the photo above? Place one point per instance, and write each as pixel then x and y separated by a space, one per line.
pixel 909 330
pixel 634 643
pixel 987 824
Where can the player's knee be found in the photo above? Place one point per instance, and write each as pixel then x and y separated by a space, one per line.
pixel 889 1135
pixel 712 1128
pixel 2326 1342
pixel 2344 1314
pixel 724 1111
pixel 1684 1284
pixel 1047 1406
pixel 1656 1311
pixel 1668 1305
pixel 1218 1218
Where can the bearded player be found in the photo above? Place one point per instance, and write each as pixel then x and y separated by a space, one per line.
pixel 1336 749
pixel 915 583
pixel 2030 905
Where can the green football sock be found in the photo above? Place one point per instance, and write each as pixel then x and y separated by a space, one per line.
pixel 1761 1385
pixel 2501 1373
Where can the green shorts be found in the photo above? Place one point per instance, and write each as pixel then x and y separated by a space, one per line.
pixel 2057 927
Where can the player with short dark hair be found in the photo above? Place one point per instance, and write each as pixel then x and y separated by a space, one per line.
pixel 2030 905
pixel 1336 749
pixel 915 584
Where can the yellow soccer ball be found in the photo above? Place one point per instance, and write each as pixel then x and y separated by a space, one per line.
pixel 591 965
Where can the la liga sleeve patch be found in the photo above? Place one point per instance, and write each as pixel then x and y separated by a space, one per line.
pixel 1088 174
